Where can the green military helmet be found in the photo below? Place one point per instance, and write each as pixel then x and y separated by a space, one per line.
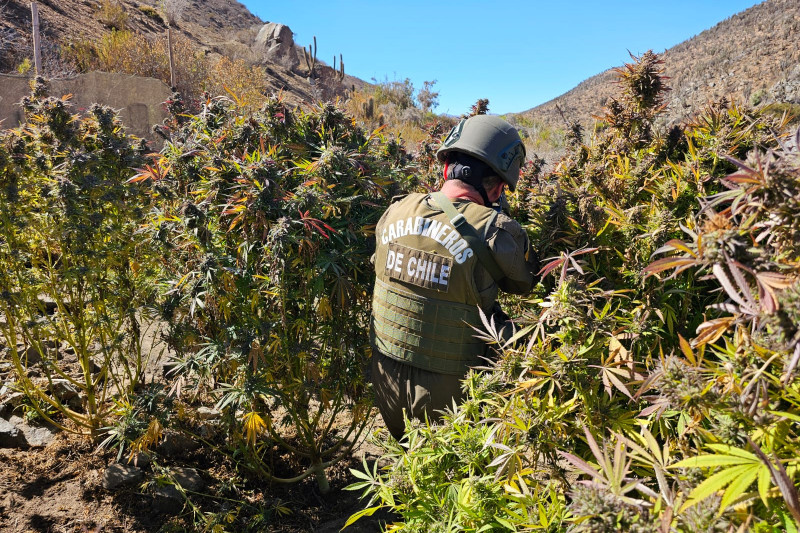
pixel 492 140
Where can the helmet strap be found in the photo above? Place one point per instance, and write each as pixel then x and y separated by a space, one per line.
pixel 482 191
pixel 456 170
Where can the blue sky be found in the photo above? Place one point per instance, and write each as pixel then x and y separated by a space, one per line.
pixel 517 54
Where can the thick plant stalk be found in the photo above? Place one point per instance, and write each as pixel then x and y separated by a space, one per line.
pixel 322 479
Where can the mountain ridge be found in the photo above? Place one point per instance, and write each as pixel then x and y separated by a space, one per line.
pixel 721 62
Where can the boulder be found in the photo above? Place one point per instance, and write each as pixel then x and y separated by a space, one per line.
pixel 67 393
pixel 11 436
pixel 189 479
pixel 275 44
pixel 35 436
pixel 118 475
pixel 177 445
pixel 29 354
pixel 142 460
pixel 166 498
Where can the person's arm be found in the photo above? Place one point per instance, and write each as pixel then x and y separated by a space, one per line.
pixel 512 251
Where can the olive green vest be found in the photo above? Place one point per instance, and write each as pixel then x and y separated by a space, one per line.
pixel 425 302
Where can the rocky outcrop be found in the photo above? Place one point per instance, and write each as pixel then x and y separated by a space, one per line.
pixel 275 44
pixel 788 88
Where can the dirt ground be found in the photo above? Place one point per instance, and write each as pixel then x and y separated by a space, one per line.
pixel 59 489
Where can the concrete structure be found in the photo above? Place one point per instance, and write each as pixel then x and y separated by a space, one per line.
pixel 139 101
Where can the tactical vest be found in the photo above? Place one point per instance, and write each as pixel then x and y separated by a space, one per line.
pixel 425 301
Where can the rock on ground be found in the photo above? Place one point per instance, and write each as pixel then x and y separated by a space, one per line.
pixel 66 393
pixel 11 436
pixel 176 445
pixel 142 460
pixel 35 436
pixel 169 497
pixel 10 401
pixel 16 433
pixel 118 475
pixel 188 478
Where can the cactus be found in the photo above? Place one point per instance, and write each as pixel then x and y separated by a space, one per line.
pixel 310 57
pixel 339 74
pixel 368 107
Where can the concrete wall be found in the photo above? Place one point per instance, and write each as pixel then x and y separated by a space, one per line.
pixel 139 101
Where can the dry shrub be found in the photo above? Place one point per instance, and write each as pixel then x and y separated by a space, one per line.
pixel 123 51
pixel 152 13
pixel 244 82
pixel 392 104
pixel 113 15
pixel 127 52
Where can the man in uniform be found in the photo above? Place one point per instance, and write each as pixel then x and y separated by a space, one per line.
pixel 439 258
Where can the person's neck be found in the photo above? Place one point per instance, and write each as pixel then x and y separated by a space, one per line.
pixel 458 190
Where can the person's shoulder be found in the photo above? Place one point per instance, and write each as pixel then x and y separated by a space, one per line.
pixel 409 197
pixel 505 223
pixel 400 203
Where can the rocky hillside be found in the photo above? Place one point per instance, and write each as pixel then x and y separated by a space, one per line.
pixel 753 57
pixel 73 19
pixel 216 27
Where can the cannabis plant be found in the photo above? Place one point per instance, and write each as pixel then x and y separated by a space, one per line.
pixel 72 267
pixel 265 223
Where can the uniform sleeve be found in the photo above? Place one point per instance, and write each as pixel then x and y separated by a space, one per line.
pixel 509 244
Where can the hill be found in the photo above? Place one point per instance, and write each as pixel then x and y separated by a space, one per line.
pixel 751 57
pixel 223 28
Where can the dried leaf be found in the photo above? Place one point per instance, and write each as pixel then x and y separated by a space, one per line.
pixel 722 277
pixel 711 330
pixel 775 280
pixel 686 348
pixel 668 263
